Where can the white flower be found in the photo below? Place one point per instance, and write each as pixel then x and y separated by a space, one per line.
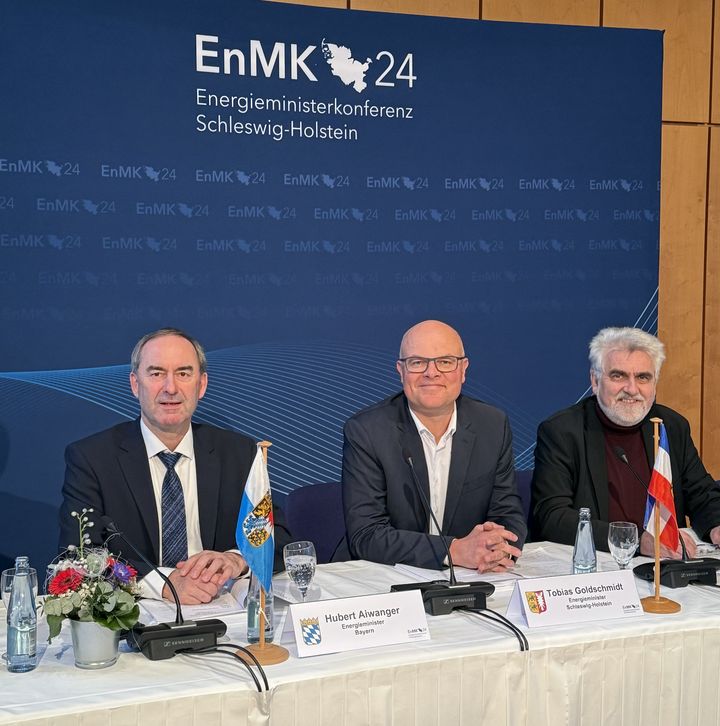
pixel 96 562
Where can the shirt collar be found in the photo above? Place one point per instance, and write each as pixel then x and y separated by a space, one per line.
pixel 154 446
pixel 448 433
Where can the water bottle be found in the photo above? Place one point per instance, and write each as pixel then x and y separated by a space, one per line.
pixel 21 621
pixel 253 612
pixel 584 557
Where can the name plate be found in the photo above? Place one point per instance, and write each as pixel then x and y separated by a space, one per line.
pixel 575 598
pixel 349 623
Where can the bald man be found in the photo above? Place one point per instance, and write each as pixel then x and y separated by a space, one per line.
pixel 461 450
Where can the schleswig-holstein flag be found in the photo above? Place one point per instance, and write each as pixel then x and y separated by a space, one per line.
pixel 254 533
pixel 660 495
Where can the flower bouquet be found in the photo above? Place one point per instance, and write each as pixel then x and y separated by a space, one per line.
pixel 88 584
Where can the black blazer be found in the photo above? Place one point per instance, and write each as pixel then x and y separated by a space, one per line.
pixel 109 472
pixel 571 472
pixel 385 519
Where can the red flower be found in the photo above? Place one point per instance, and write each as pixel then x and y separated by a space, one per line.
pixel 65 581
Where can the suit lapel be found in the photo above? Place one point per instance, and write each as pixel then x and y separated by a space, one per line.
pixel 410 443
pixel 133 460
pixel 207 469
pixel 462 445
pixel 595 453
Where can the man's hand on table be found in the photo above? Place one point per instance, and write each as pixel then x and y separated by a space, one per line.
pixel 647 547
pixel 200 578
pixel 487 548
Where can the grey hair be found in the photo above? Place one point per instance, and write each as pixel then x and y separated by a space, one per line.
pixel 137 350
pixel 626 339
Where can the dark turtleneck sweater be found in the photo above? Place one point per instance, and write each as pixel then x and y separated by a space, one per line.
pixel 626 495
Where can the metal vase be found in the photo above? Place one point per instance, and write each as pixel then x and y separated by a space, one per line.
pixel 95 646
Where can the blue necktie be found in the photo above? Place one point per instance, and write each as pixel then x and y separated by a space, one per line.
pixel 174 530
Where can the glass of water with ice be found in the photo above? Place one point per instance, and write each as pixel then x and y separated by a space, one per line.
pixel 300 560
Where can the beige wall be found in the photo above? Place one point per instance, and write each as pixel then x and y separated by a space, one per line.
pixel 689 320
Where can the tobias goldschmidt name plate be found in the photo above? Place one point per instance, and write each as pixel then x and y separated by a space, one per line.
pixel 574 598
pixel 349 623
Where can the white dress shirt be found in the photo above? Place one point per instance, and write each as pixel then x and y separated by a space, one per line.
pixel 437 458
pixel 152 584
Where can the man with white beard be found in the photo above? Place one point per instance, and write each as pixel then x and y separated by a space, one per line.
pixel 593 453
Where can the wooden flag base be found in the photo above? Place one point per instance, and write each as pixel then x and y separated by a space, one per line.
pixel 267 654
pixel 655 604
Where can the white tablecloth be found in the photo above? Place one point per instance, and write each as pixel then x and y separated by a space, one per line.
pixel 652 669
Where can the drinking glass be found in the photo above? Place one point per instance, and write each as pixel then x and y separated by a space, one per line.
pixel 6 580
pixel 300 560
pixel 622 541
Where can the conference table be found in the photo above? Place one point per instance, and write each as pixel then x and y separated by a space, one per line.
pixel 650 669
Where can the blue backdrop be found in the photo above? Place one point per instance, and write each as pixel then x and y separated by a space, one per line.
pixel 296 186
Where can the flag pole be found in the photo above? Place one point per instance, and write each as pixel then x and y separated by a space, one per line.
pixel 266 653
pixel 657 603
pixel 656 514
pixel 264 446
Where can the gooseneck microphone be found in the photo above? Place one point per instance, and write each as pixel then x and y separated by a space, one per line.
pixel 620 453
pixel 158 642
pixel 441 597
pixel 428 509
pixel 111 528
pixel 674 573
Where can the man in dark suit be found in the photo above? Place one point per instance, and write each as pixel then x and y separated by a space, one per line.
pixel 461 450
pixel 588 455
pixel 172 488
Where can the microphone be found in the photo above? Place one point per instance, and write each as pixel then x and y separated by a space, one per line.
pixel 110 527
pixel 158 642
pixel 620 453
pixel 441 597
pixel 428 509
pixel 673 573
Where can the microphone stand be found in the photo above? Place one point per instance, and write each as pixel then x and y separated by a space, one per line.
pixel 158 642
pixel 440 597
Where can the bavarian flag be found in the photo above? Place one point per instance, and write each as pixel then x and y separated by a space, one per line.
pixel 254 532
pixel 660 495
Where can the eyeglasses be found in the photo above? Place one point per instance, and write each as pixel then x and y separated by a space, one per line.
pixel 443 364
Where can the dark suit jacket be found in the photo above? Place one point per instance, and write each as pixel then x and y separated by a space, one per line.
pixel 571 472
pixel 384 515
pixel 109 472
